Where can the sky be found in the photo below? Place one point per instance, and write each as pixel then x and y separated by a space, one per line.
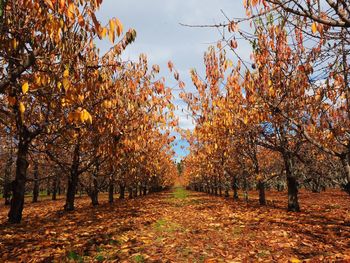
pixel 163 39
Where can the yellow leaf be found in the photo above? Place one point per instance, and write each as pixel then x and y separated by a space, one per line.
pixel 90 119
pixel 81 98
pixel 66 84
pixel 25 88
pixel 66 73
pixel 14 44
pixel 81 116
pixel 295 260
pixel 119 27
pixel 111 32
pixel 21 107
pixel 314 28
pixel 104 32
pixel 37 80
pixel 245 120
pixel 71 11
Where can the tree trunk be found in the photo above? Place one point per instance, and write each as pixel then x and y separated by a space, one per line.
pixel 36 183
pixel 226 192
pixel 261 187
pixel 48 187
pixel 54 188
pixel 110 189
pixel 18 185
pixel 245 185
pixel 130 192
pixel 144 190
pixel 73 180
pixel 122 191
pixel 292 184
pixel 7 181
pixel 235 187
pixel 94 193
pixel 346 166
pixel 140 190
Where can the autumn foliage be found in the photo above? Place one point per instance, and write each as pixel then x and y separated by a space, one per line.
pixel 280 119
pixel 75 118
pixel 79 126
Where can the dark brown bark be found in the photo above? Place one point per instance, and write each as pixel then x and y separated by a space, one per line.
pixel 130 192
pixel 48 186
pixel 261 187
pixel 73 179
pixel 121 191
pixel 226 192
pixel 292 184
pixel 235 187
pixel 111 189
pixel 346 167
pixel 7 181
pixel 54 188
pixel 36 184
pixel 94 193
pixel 18 185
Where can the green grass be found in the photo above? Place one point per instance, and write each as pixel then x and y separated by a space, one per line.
pixel 163 225
pixel 139 259
pixel 237 232
pixel 180 193
pixel 100 258
pixel 72 255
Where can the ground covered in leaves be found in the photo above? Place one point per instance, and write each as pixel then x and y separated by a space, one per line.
pixel 181 226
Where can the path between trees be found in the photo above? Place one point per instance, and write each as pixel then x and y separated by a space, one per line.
pixel 181 226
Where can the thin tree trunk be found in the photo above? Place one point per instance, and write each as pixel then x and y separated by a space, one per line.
pixel 18 185
pixel 261 187
pixel 54 188
pixel 245 186
pixel 111 189
pixel 235 188
pixel 48 187
pixel 346 166
pixel 73 180
pixel 226 192
pixel 122 191
pixel 7 181
pixel 94 194
pixel 36 183
pixel 130 192
pixel 292 184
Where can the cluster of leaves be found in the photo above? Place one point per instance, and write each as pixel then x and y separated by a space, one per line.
pixel 284 114
pixel 83 119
